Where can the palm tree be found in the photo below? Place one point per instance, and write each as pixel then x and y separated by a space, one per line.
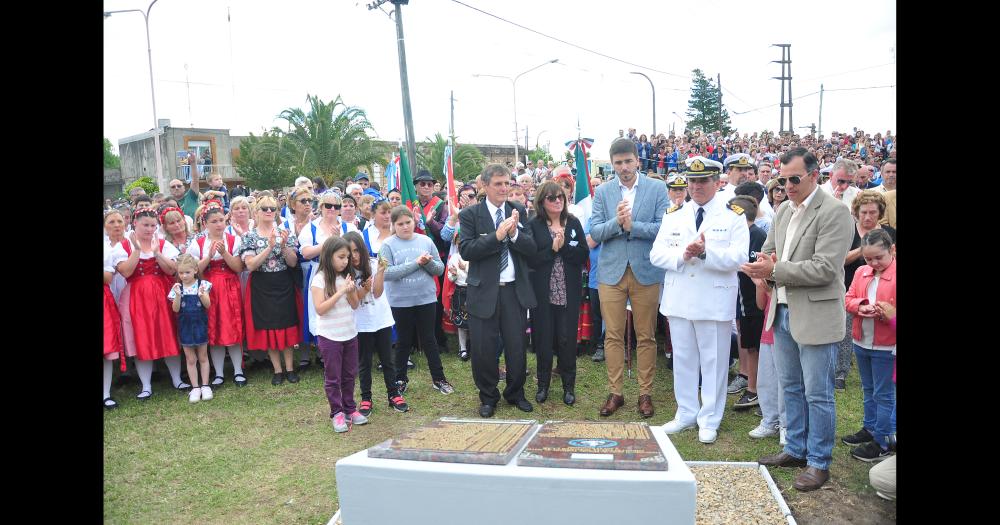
pixel 467 161
pixel 331 140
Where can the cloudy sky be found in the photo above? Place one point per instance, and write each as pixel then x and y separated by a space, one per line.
pixel 238 74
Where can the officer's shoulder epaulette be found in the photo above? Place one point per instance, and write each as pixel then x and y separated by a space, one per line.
pixel 674 208
pixel 735 207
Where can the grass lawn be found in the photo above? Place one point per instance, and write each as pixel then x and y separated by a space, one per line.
pixel 265 454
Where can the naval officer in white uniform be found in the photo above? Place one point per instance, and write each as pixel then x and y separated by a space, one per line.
pixel 701 245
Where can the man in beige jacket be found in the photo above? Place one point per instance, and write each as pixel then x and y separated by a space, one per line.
pixel 807 244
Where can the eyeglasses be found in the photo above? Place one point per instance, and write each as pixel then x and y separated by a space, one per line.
pixel 469 196
pixel 330 206
pixel 305 201
pixel 174 186
pixel 425 183
pixel 779 188
pixel 794 179
pixel 268 209
pixel 554 198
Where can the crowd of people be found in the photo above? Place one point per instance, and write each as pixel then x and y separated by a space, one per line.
pixel 776 252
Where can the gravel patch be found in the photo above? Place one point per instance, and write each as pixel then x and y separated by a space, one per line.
pixel 731 494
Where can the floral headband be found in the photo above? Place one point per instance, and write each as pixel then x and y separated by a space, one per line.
pixel 165 211
pixel 143 212
pixel 211 204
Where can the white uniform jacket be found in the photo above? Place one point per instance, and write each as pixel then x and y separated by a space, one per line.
pixel 701 290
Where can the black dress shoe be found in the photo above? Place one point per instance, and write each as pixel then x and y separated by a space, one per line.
pixel 543 394
pixel 569 398
pixel 292 377
pixel 523 405
pixel 486 410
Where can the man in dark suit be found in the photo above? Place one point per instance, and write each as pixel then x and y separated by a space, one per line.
pixel 494 238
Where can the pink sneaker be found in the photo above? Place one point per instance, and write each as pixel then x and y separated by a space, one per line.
pixel 340 423
pixel 357 418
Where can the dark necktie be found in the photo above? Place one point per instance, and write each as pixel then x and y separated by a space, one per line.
pixel 503 246
pixel 698 218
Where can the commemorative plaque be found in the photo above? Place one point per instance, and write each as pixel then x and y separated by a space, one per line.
pixel 451 440
pixel 597 445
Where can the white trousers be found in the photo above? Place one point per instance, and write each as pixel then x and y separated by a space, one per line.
pixel 700 346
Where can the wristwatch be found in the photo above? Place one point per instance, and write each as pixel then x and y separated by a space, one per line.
pixel 771 278
pixel 701 256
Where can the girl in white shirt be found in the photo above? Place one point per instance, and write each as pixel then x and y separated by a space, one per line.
pixel 335 296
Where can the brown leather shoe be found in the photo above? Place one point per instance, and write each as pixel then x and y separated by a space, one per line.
pixel 782 460
pixel 811 478
pixel 646 405
pixel 613 403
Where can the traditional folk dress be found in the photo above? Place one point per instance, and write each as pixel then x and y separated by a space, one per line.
pixel 112 318
pixel 270 302
pixel 149 326
pixel 225 311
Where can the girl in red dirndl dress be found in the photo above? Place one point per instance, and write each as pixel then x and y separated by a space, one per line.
pixel 148 325
pixel 218 260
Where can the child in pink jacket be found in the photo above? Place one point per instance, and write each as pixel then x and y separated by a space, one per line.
pixel 872 294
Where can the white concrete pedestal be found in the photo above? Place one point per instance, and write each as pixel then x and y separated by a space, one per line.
pixel 382 491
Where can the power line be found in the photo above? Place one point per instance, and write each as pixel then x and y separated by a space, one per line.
pixel 859 88
pixel 772 105
pixel 568 43
pixel 813 93
pixel 846 72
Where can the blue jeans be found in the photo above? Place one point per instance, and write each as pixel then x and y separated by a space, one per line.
pixel 806 375
pixel 875 369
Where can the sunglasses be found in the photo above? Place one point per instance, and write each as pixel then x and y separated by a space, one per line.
pixel 330 206
pixel 779 188
pixel 305 201
pixel 795 179
pixel 425 183
pixel 554 198
pixel 268 209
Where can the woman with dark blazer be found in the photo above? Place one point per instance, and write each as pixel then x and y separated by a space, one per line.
pixel 557 282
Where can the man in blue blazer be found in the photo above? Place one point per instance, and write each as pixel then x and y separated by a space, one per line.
pixel 626 217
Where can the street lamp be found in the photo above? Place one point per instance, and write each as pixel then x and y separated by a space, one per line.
pixel 152 91
pixel 513 84
pixel 654 98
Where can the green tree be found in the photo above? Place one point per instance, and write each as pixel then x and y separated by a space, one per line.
pixel 330 140
pixel 265 161
pixel 704 106
pixel 467 161
pixel 110 159
pixel 146 183
pixel 539 154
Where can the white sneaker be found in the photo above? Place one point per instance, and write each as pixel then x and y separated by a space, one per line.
pixel 781 436
pixel 340 423
pixel 357 418
pixel 707 435
pixel 675 426
pixel 763 431
pixel 206 393
pixel 195 395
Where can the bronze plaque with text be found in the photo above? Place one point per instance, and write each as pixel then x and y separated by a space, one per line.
pixel 598 445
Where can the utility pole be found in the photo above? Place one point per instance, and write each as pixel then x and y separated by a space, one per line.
pixel 821 109
pixel 718 80
pixel 411 147
pixel 786 76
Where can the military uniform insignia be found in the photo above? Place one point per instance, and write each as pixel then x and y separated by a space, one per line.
pixel 697 166
pixel 674 208
pixel 736 208
pixel 742 162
